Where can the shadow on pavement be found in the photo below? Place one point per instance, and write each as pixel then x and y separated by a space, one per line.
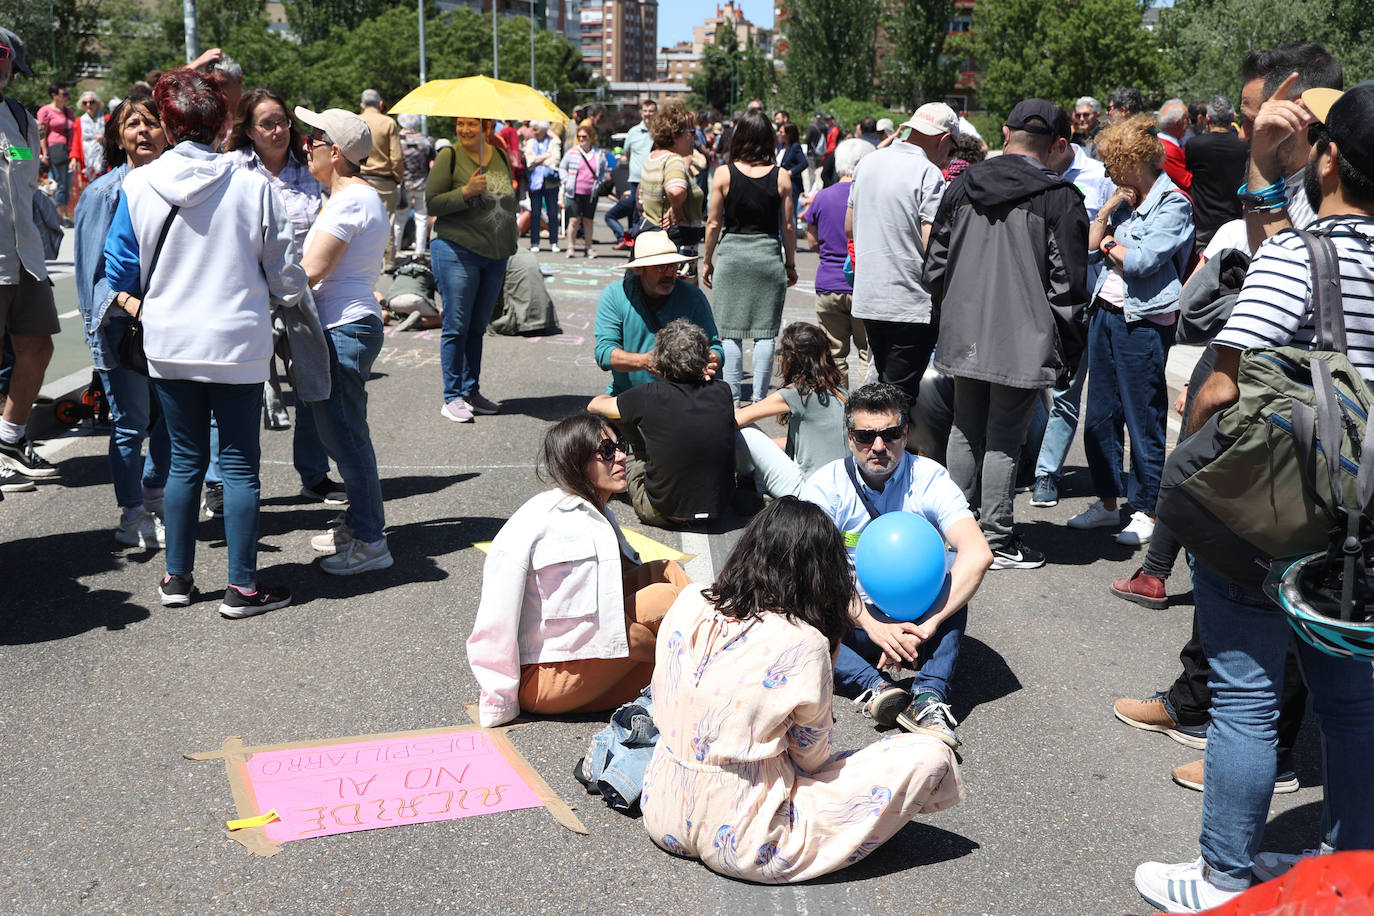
pixel 982 677
pixel 1065 546
pixel 913 846
pixel 551 408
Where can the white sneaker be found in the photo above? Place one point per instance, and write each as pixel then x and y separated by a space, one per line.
pixel 1270 865
pixel 1096 516
pixel 1138 532
pixel 553 248
pixel 1180 888
pixel 534 249
pixel 143 530
pixel 336 539
pixel 358 557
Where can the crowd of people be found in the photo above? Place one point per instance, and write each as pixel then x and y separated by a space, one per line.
pixel 978 292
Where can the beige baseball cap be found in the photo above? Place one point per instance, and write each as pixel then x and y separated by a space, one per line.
pixel 933 119
pixel 344 129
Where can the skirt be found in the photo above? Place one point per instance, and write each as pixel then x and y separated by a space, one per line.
pixel 748 287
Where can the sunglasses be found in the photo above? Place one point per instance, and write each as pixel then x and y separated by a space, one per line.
pixel 1317 133
pixel 312 141
pixel 6 53
pixel 868 436
pixel 1082 114
pixel 608 447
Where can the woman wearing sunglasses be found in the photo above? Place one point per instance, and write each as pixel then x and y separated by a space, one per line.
pixel 569 616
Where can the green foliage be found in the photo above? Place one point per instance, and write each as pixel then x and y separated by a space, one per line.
pixel 830 49
pixel 60 42
pixel 313 20
pixel 849 112
pixel 917 70
pixel 715 84
pixel 1061 49
pixel 758 79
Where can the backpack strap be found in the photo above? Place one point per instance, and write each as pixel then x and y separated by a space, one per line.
pixel 1328 310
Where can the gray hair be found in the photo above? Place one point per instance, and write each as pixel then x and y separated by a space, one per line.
pixel 681 350
pixel 1220 111
pixel 229 67
pixel 1172 112
pixel 539 125
pixel 88 94
pixel 848 154
pixel 372 98
pixel 1091 102
pixel 409 121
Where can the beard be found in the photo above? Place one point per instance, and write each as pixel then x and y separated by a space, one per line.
pixel 1312 189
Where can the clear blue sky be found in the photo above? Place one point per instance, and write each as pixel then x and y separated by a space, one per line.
pixel 677 17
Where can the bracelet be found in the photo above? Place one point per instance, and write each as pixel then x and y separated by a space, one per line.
pixel 1269 197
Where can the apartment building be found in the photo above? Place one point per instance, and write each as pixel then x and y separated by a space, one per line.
pixel 618 39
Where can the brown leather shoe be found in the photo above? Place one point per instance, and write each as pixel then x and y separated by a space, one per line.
pixel 1151 715
pixel 1189 776
pixel 1143 589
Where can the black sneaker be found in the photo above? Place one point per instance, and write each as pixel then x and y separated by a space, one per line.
pixel 327 491
pixel 1017 555
pixel 175 591
pixel 238 604
pixel 11 481
pixel 212 502
pixel 929 715
pixel 21 456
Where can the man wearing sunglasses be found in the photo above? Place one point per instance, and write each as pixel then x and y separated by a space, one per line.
pixel 1244 638
pixel 881 476
pixel 27 310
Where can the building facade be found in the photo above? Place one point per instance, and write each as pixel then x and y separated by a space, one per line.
pixel 618 39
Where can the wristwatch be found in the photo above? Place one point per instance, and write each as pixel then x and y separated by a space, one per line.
pixel 1109 245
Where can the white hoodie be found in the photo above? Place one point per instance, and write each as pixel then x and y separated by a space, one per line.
pixel 229 251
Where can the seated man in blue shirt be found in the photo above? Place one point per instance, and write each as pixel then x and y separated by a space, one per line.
pixel 881 476
pixel 633 309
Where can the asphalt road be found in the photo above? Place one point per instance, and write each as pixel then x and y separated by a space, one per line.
pixel 105 690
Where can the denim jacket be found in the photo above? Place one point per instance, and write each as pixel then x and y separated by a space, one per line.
pixel 1158 237
pixel 94 214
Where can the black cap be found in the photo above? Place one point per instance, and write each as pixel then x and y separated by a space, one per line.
pixel 16 45
pixel 1037 116
pixel 1350 124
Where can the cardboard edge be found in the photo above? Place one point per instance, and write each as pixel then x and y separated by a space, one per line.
pixel 253 839
pixel 553 803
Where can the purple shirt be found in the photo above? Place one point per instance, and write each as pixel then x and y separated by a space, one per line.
pixel 827 213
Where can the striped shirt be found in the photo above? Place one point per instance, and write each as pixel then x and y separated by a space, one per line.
pixel 1273 308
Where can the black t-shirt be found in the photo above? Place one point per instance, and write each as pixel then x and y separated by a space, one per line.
pixel 1217 161
pixel 689 443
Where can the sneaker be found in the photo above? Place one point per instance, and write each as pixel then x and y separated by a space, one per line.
pixel 554 248
pixel 1046 492
pixel 238 603
pixel 175 591
pixel 1096 516
pixel 1181 888
pixel 11 481
pixel 153 499
pixel 22 457
pixel 626 243
pixel 1270 865
pixel 534 249
pixel 457 410
pixel 357 557
pixel 335 539
pixel 1152 715
pixel 883 704
pixel 1141 588
pixel 1190 776
pixel 928 715
pixel 143 530
pixel 327 491
pixel 212 501
pixel 410 321
pixel 1017 555
pixel 483 406
pixel 1138 531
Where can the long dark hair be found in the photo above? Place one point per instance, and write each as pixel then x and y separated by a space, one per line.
pixel 804 360
pixel 791 561
pixel 243 121
pixel 568 446
pixel 754 140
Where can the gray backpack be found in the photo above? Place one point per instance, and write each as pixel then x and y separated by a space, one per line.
pixel 1279 472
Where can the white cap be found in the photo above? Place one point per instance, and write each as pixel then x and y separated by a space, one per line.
pixel 933 119
pixel 885 125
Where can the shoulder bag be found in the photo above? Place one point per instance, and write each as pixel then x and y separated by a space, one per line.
pixel 130 349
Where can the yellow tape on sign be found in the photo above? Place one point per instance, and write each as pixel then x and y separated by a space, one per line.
pixel 262 820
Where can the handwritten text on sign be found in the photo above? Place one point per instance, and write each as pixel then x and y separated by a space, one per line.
pixel 340 788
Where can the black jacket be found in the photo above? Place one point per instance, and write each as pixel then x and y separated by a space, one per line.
pixel 1007 268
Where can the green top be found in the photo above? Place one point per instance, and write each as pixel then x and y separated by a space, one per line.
pixel 484 225
pixel 660 174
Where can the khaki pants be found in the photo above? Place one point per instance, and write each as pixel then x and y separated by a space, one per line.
pixel 389 189
pixel 601 684
pixel 832 310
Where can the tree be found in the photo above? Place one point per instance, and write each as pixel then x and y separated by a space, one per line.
pixel 1061 49
pixel 714 84
pixel 829 49
pixel 60 40
pixel 757 78
pixel 313 20
pixel 917 70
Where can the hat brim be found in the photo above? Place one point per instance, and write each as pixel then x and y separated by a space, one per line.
pixel 659 260
pixel 925 127
pixel 1319 101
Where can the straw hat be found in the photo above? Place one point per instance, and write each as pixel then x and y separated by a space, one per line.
pixel 654 249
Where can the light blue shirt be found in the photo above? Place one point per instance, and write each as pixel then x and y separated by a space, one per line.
pixel 638 144
pixel 919 485
pixel 1090 177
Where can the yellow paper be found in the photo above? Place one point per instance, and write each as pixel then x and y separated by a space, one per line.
pixel 262 820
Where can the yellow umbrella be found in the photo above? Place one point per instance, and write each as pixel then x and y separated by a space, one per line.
pixel 479 97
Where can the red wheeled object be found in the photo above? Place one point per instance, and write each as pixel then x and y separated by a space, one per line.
pixel 70 412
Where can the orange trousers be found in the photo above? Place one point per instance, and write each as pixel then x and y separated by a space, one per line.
pixel 600 684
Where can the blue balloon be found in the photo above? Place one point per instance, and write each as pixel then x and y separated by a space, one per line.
pixel 900 562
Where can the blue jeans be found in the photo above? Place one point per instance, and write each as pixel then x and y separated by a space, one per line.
pixel 130 397
pixel 762 368
pixel 935 659
pixel 1246 640
pixel 187 408
pixel 623 208
pixel 547 197
pixel 1062 423
pixel 308 453
pixel 469 285
pixel 342 422
pixel 1127 365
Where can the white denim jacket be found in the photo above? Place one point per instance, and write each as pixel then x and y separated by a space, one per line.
pixel 551 592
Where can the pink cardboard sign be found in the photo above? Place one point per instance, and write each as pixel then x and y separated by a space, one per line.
pixel 363 785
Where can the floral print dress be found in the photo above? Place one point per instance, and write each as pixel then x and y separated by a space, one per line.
pixel 744 776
